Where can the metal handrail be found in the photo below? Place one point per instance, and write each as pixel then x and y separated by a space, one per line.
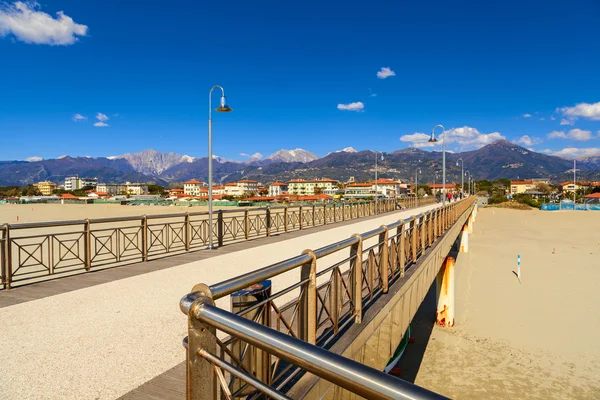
pixel 349 374
pixel 321 309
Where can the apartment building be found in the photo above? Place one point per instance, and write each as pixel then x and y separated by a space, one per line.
pixel 247 186
pixel 111 189
pixel 522 186
pixel 194 187
pixel 304 187
pixel 359 190
pixel 387 187
pixel 75 182
pixel 278 189
pixel 45 187
pixel 232 189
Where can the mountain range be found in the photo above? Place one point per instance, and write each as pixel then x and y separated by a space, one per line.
pixel 501 159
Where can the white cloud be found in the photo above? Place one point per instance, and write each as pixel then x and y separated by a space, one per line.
pixel 573 134
pixel 357 106
pixel 27 23
pixel 566 122
pixel 542 119
pixel 583 110
pixel 102 117
pixel 465 137
pixel 79 118
pixel 552 118
pixel 385 72
pixel 574 152
pixel 100 124
pixel 527 140
pixel 557 135
pixel 34 159
pixel 579 134
pixel 252 157
pixel 526 115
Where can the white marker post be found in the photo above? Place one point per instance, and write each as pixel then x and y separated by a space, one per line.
pixel 519 267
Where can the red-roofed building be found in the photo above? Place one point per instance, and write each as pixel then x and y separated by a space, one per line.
pixel 68 196
pixel 304 187
pixel 193 187
pixel 278 188
pixel 439 187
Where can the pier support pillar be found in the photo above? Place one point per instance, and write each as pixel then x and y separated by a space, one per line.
pixel 470 223
pixel 445 291
pixel 464 239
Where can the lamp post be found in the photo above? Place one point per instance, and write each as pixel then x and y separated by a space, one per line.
pixel 417 172
pixel 462 175
pixel 469 172
pixel 376 182
pixel 223 107
pixel 434 140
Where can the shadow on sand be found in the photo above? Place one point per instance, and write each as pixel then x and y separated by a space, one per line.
pixel 422 326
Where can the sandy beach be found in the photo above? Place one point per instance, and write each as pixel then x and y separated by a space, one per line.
pixel 535 339
pixel 63 212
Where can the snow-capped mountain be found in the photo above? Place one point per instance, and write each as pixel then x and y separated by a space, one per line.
pixel 152 162
pixel 297 155
pixel 347 150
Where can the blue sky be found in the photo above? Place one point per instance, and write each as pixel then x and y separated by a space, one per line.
pixel 297 74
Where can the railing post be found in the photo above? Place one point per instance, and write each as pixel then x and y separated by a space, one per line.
pixel 313 214
pixel 285 218
pixel 301 217
pixel 334 298
pixel 422 233
pixel 356 278
pixel 343 212
pixel 401 249
pixel 187 231
pixel 414 232
pixel 87 244
pixel 220 228
pixel 307 318
pixel 144 238
pixel 430 228
pixel 201 379
pixel 384 259
pixel 268 221
pixel 324 214
pixel 5 259
pixel 334 213
pixel 246 224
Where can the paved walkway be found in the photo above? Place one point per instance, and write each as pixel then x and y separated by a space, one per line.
pixel 104 340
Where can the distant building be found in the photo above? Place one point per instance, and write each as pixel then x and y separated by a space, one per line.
pixel 387 187
pixel 359 190
pixel 278 189
pixel 522 186
pixel 241 187
pixel 130 188
pixel 45 187
pixel 193 187
pixel 248 186
pixel 304 187
pixel 439 188
pixel 75 183
pixel 232 189
pixel 111 188
pixel 220 190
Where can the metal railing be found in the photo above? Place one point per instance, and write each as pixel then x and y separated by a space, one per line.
pixel 33 252
pixel 336 283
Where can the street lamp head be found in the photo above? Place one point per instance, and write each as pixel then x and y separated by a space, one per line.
pixel 432 139
pixel 223 107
